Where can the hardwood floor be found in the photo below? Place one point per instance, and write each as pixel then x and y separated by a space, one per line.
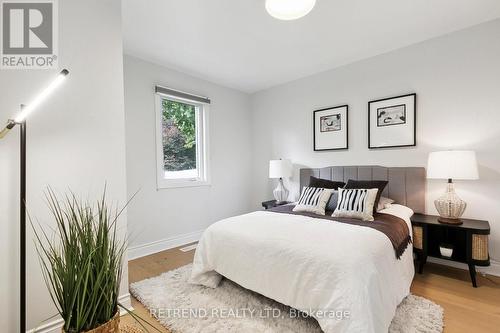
pixel 151 266
pixel 466 309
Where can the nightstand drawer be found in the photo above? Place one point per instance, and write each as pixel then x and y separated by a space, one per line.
pixel 480 247
pixel 418 237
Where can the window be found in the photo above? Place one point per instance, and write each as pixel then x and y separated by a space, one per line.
pixel 181 139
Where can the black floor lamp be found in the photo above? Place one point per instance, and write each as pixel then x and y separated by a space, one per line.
pixel 20 120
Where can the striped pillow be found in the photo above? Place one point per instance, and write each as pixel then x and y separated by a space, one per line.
pixel 313 200
pixel 356 203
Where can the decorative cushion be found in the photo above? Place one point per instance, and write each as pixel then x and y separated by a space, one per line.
pixel 313 200
pixel 356 203
pixel 325 183
pixel 363 184
pixel 331 205
pixel 384 203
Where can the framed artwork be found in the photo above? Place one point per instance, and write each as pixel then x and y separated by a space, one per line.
pixel 392 122
pixel 330 129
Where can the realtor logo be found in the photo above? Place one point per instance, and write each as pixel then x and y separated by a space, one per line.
pixel 29 34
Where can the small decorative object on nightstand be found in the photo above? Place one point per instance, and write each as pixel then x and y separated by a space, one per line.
pixel 451 165
pixel 280 169
pixel 446 250
pixel 466 243
pixel 273 203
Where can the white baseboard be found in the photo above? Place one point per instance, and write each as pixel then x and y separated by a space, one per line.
pixel 55 325
pixel 126 301
pixel 50 327
pixel 143 250
pixel 493 269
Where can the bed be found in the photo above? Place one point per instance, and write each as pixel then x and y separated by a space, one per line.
pixel 344 275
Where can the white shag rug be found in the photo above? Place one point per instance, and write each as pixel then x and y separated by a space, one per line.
pixel 186 308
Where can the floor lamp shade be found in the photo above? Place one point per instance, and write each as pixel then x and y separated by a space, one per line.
pixel 451 165
pixel 280 169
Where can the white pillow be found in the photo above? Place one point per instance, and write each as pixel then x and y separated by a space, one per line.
pixel 313 200
pixel 400 211
pixel 356 203
pixel 384 203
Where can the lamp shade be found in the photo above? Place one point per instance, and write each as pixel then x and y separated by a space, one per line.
pixel 280 168
pixel 452 164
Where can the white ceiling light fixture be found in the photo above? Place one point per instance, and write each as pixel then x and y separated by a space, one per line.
pixel 289 9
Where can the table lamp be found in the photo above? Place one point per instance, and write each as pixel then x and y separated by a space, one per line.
pixel 451 165
pixel 280 169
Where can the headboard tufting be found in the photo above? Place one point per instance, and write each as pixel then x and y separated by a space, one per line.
pixel 406 184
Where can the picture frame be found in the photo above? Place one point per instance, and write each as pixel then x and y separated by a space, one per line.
pixel 392 122
pixel 331 128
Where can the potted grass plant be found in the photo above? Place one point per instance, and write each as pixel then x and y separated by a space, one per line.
pixel 81 261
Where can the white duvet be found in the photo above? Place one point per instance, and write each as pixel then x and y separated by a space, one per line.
pixel 312 265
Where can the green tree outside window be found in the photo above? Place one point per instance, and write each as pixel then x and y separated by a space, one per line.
pixel 179 135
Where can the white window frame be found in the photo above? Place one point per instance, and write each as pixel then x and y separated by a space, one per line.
pixel 202 156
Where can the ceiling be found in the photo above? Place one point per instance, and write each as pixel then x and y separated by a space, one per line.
pixel 235 43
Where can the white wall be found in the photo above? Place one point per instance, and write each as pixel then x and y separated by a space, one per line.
pixel 75 140
pixel 457 81
pixel 173 216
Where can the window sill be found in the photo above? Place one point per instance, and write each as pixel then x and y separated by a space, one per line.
pixel 166 184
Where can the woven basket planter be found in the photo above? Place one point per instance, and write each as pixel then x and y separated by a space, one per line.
pixel 112 326
pixel 131 329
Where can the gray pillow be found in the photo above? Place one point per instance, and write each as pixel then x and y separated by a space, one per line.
pixel 332 203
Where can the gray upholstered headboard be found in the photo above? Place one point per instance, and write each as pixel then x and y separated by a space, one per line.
pixel 406 184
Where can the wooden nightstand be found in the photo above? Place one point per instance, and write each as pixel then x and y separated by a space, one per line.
pixel 469 241
pixel 272 203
